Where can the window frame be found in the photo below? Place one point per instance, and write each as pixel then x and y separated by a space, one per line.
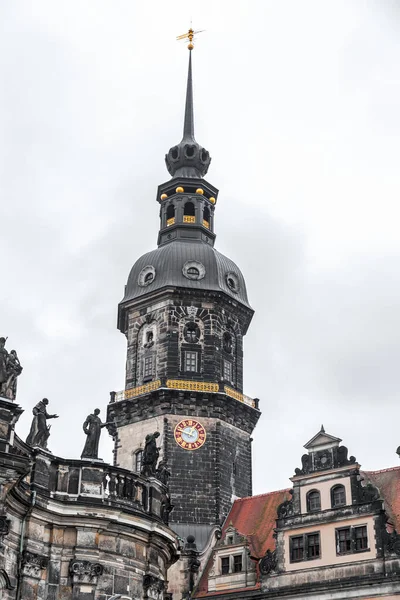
pixel 186 361
pixel 148 374
pixel 305 546
pixel 228 564
pixel 225 370
pixel 352 529
pixel 334 489
pixel 308 501
pixel 138 461
pixel 234 565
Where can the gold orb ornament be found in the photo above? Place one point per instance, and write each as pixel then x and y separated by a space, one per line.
pixel 164 196
pixel 179 190
pixel 199 191
pixel 212 200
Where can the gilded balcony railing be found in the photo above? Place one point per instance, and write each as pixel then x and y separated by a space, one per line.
pixel 206 224
pixel 170 221
pixel 183 384
pixel 189 219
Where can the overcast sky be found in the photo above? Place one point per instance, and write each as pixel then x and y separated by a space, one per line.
pixel 298 104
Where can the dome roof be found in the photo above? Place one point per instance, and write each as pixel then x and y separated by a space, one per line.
pixel 192 265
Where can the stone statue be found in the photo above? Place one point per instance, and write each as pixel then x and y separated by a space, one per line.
pixel 92 427
pixel 150 455
pixel 40 432
pixel 10 369
pixel 162 472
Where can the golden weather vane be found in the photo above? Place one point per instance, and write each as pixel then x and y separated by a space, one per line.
pixel 189 36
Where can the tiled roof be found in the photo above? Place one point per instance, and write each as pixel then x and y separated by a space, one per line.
pixel 255 518
pixel 388 483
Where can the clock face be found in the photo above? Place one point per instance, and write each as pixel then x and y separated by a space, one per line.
pixel 190 434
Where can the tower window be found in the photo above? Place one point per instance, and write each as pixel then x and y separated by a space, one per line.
pixel 148 367
pixel 313 501
pixel 227 342
pixel 192 333
pixel 227 370
pixel 191 361
pixel 189 209
pixel 149 277
pixel 206 217
pixel 338 496
pixel 237 563
pixel 170 215
pixel 225 565
pixel 137 466
pixel 193 273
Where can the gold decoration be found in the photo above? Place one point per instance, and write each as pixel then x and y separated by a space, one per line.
pixel 189 219
pixel 206 224
pixel 194 386
pixel 170 221
pixel 189 36
pixel 164 196
pixel 138 391
pixel 179 190
pixel 212 200
pixel 199 191
pixel 238 396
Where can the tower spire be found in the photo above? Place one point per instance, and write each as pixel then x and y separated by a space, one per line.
pixel 188 125
pixel 188 158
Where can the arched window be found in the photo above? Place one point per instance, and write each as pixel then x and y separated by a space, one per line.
pixel 170 215
pixel 192 333
pixel 137 461
pixel 313 501
pixel 338 496
pixel 206 217
pixel 189 213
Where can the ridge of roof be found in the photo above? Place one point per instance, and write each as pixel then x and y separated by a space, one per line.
pixel 382 470
pixel 263 495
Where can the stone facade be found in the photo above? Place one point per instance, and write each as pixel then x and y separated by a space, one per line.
pixel 78 529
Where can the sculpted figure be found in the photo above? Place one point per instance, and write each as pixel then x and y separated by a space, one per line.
pixel 92 427
pixel 10 368
pixel 40 432
pixel 150 455
pixel 162 472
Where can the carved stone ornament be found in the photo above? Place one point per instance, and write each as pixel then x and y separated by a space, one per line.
pixel 4 525
pixel 368 493
pixel 32 564
pixel 191 311
pixel 393 543
pixel 146 276
pixel 268 562
pixel 286 508
pixel 193 269
pixel 233 282
pixel 84 571
pixel 153 587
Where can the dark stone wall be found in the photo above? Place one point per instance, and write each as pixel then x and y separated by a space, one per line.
pixel 206 481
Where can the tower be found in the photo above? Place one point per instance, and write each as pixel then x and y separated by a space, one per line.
pixel 184 313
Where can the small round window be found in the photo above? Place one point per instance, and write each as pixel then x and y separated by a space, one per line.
pixel 233 282
pixel 146 275
pixel 193 269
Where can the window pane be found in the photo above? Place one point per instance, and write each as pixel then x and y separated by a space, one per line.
pixel 297 550
pixel 191 361
pixel 225 565
pixel 237 563
pixel 138 461
pixel 339 496
pixel 148 366
pixel 361 539
pixel 343 540
pixel 314 501
pixel 313 545
pixel 227 370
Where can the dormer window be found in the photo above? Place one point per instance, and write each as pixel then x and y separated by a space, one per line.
pixel 225 565
pixel 338 496
pixel 313 501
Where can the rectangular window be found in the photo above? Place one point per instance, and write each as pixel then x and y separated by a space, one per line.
pixel 297 548
pixel 360 538
pixel 227 370
pixel 305 547
pixel 351 539
pixel 237 563
pixel 313 546
pixel 225 565
pixel 191 361
pixel 148 366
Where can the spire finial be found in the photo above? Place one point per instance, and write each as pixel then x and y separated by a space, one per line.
pixel 322 429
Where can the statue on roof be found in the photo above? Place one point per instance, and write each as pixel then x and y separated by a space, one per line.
pixel 40 432
pixel 10 369
pixel 92 427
